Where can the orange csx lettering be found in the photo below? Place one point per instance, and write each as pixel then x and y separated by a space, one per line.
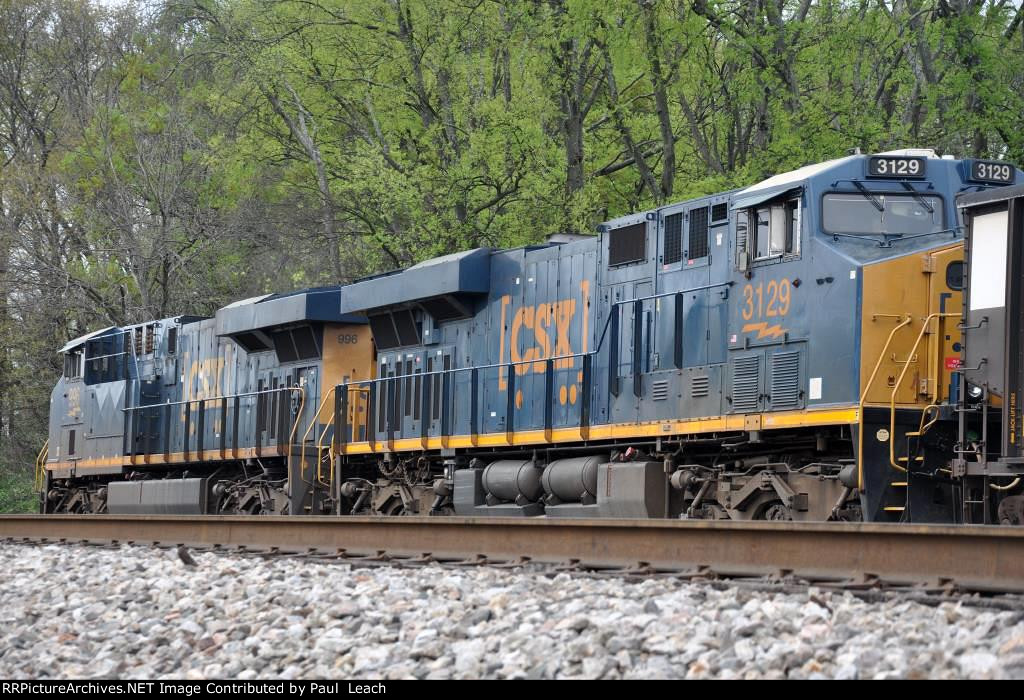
pixel 541 322
pixel 533 327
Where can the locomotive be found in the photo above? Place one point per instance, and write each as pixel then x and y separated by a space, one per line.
pixel 795 350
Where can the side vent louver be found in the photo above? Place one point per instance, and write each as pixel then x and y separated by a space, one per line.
pixel 700 387
pixel 746 380
pixel 673 239
pixel 785 375
pixel 659 391
pixel 627 244
pixel 697 243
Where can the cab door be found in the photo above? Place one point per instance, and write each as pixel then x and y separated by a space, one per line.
pixel 945 296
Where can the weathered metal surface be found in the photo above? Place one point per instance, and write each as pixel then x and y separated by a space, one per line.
pixel 972 557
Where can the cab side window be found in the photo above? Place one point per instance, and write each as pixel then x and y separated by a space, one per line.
pixel 73 365
pixel 767 231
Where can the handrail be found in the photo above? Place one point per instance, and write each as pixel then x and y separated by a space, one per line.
pixel 214 398
pixel 907 320
pixel 320 452
pixel 298 417
pixel 312 424
pixel 509 366
pixel 357 384
pixel 41 457
pixel 899 381
pixel 211 399
pixel 922 428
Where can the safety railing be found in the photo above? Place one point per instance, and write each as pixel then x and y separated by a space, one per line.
pixel 933 381
pixel 904 321
pixel 40 466
pixel 386 389
pixel 223 407
pixel 314 421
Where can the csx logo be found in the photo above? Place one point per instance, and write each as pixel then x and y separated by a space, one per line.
pixel 348 339
pixel 75 402
pixel 204 378
pixel 542 331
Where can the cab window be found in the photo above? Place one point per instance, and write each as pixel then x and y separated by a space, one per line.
pixel 767 231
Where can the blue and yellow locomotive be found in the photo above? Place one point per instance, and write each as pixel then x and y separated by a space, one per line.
pixel 786 351
pixel 198 415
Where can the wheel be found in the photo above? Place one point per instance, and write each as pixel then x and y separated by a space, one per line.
pixel 393 507
pixel 776 511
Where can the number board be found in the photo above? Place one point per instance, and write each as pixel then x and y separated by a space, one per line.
pixel 896 167
pixel 991 171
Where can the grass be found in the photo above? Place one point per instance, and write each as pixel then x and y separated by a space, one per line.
pixel 16 494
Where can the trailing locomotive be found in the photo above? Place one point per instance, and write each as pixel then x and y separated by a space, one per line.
pixel 786 351
pixel 199 415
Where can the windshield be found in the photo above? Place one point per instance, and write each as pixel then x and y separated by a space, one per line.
pixel 901 214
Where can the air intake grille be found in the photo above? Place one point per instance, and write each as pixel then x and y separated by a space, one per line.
pixel 627 244
pixel 785 391
pixel 659 391
pixel 673 239
pixel 700 387
pixel 746 380
pixel 698 242
pixel 720 212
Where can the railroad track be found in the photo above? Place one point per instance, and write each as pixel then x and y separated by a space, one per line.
pixel 850 555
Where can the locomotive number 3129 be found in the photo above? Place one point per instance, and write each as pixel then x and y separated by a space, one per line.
pixel 766 301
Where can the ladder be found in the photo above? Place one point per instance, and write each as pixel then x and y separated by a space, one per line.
pixel 968 503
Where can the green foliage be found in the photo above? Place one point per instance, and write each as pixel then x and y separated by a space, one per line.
pixel 16 494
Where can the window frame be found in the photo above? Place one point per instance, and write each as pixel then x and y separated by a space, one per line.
pixel 792 222
pixel 77 355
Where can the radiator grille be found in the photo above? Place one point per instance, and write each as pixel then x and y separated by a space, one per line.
pixel 746 380
pixel 785 374
pixel 673 239
pixel 659 391
pixel 627 244
pixel 700 387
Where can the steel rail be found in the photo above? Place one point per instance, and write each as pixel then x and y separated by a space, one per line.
pixel 971 558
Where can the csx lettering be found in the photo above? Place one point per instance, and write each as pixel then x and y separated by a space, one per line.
pixel 75 402
pixel 542 320
pixel 208 372
pixel 543 330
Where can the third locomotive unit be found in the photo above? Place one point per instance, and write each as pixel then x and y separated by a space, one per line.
pixel 837 342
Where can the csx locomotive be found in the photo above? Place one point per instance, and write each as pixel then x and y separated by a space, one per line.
pixel 795 350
